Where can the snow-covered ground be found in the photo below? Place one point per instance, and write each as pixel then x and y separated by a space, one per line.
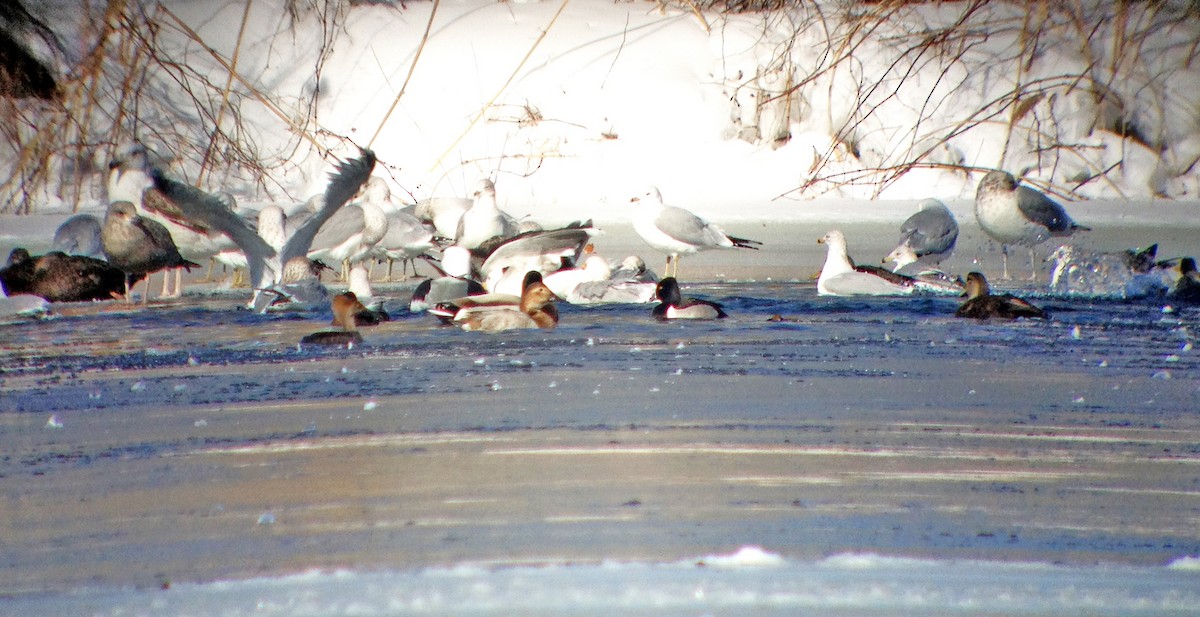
pixel 572 106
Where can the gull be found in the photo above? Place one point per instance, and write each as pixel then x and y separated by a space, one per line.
pixel 406 239
pixel 443 213
pixel 672 304
pixel 928 235
pixel 132 178
pixel 79 235
pixel 630 283
pixel 59 277
pixel 484 220
pixel 360 286
pixel 675 231
pixel 22 305
pixel 541 250
pixel 982 304
pixel 840 277
pixel 455 282
pixel 264 262
pixel 1013 214
pixel 350 235
pixel 565 280
pixel 138 246
pixel 299 287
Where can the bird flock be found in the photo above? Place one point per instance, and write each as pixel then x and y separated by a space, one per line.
pixel 494 272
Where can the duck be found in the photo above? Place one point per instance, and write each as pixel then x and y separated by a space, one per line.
pixel 534 309
pixel 350 313
pixel 840 276
pixel 675 231
pixel 982 304
pixel 672 304
pixel 1012 214
pixel 58 277
pixel 138 246
pixel 1186 288
pixel 454 281
pixel 345 310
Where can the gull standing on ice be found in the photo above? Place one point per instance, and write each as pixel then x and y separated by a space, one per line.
pixel 349 235
pixel 840 277
pixel 133 179
pixel 928 235
pixel 981 304
pixel 138 246
pixel 1013 214
pixel 407 238
pixel 676 232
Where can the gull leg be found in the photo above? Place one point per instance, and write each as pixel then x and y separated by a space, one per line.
pixel 208 276
pixel 1004 252
pixel 1032 265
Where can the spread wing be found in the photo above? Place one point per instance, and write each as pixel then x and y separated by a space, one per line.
pixel 343 185
pixel 214 213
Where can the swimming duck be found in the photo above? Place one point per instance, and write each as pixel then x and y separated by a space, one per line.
pixel 535 309
pixel 981 304
pixel 345 309
pixel 674 306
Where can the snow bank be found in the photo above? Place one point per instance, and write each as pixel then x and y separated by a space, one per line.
pixel 574 105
